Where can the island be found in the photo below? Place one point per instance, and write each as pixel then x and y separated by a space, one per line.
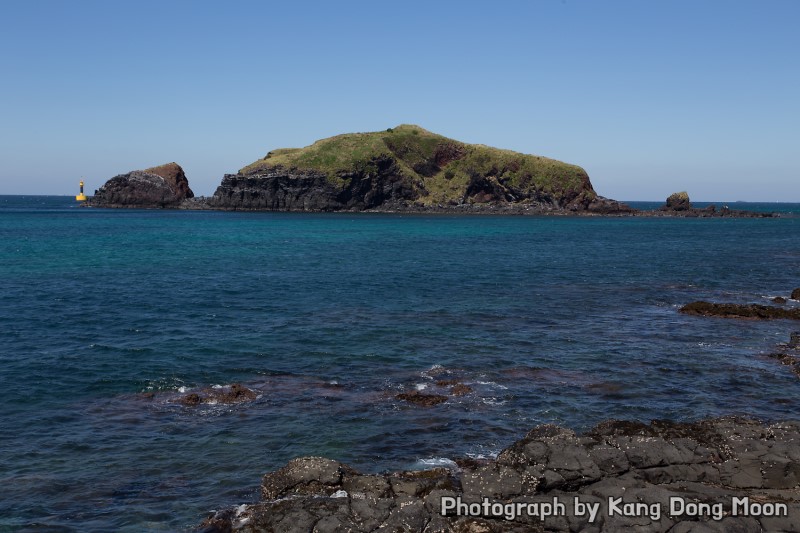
pixel 405 168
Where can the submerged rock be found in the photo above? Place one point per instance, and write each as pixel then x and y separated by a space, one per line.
pixel 739 311
pixel 422 399
pixel 634 475
pixel 789 354
pixel 794 340
pixel 236 393
pixel 460 389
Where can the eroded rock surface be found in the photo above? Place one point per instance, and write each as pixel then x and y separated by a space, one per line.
pixel 635 476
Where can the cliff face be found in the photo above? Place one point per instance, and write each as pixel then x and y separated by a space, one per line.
pixel 278 188
pixel 406 168
pixel 162 186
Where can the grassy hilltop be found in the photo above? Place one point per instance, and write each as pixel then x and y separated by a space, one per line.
pixel 442 170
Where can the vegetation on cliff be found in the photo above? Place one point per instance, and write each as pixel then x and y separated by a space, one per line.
pixel 441 170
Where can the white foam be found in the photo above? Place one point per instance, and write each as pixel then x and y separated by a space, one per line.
pixel 493 401
pixel 421 386
pixel 492 384
pixel 182 389
pixel 241 521
pixel 436 462
pixel 339 494
pixel 481 456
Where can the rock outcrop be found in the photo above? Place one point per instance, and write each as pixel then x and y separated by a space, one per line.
pixel 156 187
pixel 728 474
pixel 740 311
pixel 678 201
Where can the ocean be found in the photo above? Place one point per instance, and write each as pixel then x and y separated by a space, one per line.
pixel 108 317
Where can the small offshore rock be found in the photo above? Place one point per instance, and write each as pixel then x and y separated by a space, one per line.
pixel 155 187
pixel 763 312
pixel 679 201
pixel 796 294
pixel 779 300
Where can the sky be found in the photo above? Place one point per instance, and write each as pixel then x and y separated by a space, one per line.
pixel 650 97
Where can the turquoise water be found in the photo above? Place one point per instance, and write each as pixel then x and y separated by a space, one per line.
pixel 106 315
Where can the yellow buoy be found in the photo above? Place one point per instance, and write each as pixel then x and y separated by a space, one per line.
pixel 81 197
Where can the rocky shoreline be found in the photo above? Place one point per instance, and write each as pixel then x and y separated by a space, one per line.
pixel 726 474
pixel 599 207
pixel 722 474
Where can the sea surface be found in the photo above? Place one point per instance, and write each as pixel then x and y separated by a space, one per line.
pixel 109 317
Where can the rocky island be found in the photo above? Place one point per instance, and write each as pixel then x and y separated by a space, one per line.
pixel 156 187
pixel 407 168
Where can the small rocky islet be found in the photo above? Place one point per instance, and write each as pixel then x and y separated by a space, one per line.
pixel 403 169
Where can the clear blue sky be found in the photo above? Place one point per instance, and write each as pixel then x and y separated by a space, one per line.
pixel 650 97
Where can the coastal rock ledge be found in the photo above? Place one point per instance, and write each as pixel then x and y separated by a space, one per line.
pixel 726 474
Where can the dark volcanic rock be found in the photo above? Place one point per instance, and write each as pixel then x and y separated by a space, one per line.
pixel 292 190
pixel 796 294
pixel 678 201
pixel 163 186
pixel 716 463
pixel 739 311
pixel 779 300
pixel 605 206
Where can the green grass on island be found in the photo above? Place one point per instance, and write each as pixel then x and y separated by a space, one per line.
pixel 445 166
